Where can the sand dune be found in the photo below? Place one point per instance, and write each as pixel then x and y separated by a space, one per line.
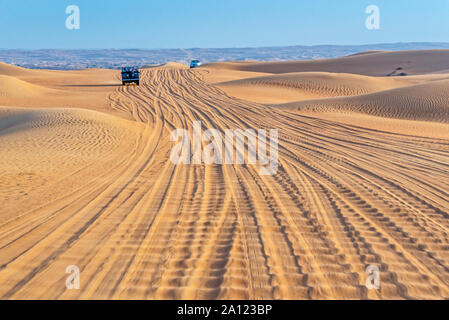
pixel 166 65
pixel 289 87
pixel 87 188
pixel 88 89
pixel 16 88
pixel 10 70
pixel 41 146
pixel 215 76
pixel 372 64
pixel 428 101
pixel 366 52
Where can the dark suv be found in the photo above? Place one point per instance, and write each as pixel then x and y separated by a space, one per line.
pixel 130 75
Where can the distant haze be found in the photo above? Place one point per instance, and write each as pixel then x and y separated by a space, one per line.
pixel 115 58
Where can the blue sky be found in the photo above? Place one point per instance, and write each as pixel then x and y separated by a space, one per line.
pixel 40 24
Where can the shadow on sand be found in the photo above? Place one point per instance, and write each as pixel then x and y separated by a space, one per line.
pixel 92 85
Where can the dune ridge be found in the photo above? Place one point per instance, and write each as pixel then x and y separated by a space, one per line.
pixel 13 87
pixel 10 70
pixel 88 89
pixel 373 64
pixel 427 102
pixel 306 85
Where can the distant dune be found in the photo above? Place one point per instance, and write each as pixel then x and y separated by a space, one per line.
pixel 116 58
pixel 366 52
pixel 306 85
pixel 215 76
pixel 89 89
pixel 428 102
pixel 370 64
pixel 167 65
pixel 10 70
pixel 15 88
pixel 367 83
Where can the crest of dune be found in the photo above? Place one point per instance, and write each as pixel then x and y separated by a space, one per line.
pixel 13 87
pixel 370 64
pixel 428 102
pixel 10 70
pixel 270 89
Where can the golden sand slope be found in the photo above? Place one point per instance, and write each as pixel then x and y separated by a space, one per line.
pixel 371 64
pixel 44 152
pixel 14 88
pixel 10 70
pixel 215 75
pixel 427 101
pixel 293 86
pixel 94 191
pixel 88 89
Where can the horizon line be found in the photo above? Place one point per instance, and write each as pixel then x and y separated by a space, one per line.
pixel 243 47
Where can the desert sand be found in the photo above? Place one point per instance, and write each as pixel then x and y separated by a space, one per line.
pixel 86 180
